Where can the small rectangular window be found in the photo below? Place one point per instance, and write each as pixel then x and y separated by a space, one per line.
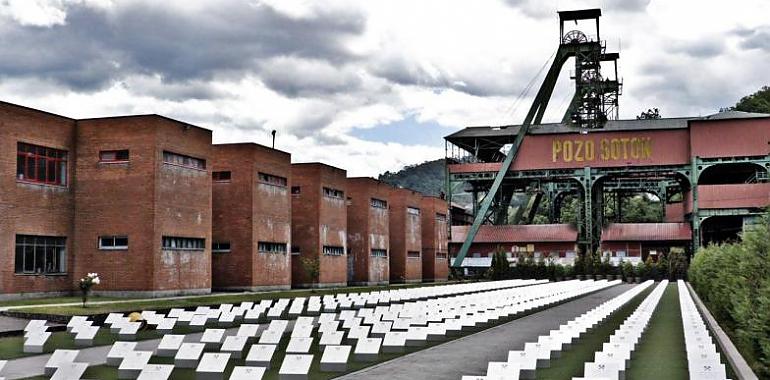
pixel 221 176
pixel 113 243
pixel 272 179
pixel 172 158
pixel 413 254
pixel 441 217
pixel 175 243
pixel 295 190
pixel 220 247
pixel 113 156
pixel 330 250
pixel 270 247
pixel 333 193
pixel 413 210
pixel 440 255
pixel 378 203
pixel 379 253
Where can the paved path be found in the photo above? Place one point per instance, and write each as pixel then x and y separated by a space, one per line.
pixel 8 324
pixel 469 355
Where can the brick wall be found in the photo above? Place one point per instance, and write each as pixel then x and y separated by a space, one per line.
pixel 368 228
pixel 405 236
pixel 246 211
pixel 33 209
pixel 319 220
pixel 435 243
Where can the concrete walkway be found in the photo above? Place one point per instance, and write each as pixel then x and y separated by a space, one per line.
pixel 471 354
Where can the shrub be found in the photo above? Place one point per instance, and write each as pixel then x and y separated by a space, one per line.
pixel 569 270
pixel 677 264
pixel 734 281
pixel 499 268
pixel 627 270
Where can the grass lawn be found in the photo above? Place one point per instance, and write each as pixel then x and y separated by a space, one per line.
pixel 12 347
pixel 660 353
pixel 571 362
pixel 214 299
pixel 54 300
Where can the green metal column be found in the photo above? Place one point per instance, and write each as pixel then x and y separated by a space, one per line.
pixel 694 174
pixel 588 209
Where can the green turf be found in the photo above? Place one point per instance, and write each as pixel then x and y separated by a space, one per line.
pixel 214 299
pixel 571 362
pixel 54 300
pixel 660 353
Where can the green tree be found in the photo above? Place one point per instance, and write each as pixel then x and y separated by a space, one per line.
pixel 756 102
pixel 499 268
pixel 652 113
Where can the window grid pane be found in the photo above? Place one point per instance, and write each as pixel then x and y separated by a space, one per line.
pixel 184 161
pixel 40 254
pixel 41 165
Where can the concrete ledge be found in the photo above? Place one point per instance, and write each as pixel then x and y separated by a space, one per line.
pixel 324 285
pixel 152 293
pixel 256 289
pixel 24 296
pixel 369 283
pixel 739 364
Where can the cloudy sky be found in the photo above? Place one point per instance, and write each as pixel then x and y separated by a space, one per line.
pixel 364 85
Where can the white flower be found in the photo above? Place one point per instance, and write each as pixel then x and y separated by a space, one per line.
pixel 96 280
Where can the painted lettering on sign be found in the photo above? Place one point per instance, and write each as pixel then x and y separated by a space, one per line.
pixel 635 148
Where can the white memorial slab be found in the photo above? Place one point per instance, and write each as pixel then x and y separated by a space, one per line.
pixel 128 330
pixel 35 341
pixel 295 367
pixel 156 372
pixel 118 352
pixel 331 338
pixel 133 364
pixel 212 366
pixel 270 337
pixel 394 341
pixel 85 335
pixel 367 349
pixel 166 325
pixel 260 355
pixel 212 338
pixel 59 358
pixel 188 355
pixel 234 345
pixel 299 345
pixel 169 345
pixel 70 371
pixel 247 373
pixel 335 359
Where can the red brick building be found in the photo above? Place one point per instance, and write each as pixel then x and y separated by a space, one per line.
pixel 538 241
pixel 251 217
pixel 126 197
pixel 143 205
pixel 37 205
pixel 405 236
pixel 319 223
pixel 368 231
pixel 435 231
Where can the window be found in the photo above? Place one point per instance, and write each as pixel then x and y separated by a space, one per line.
pixel 272 179
pixel 174 243
pixel 184 161
pixel 333 250
pixel 378 203
pixel 379 253
pixel 441 217
pixel 295 190
pixel 41 165
pixel 221 176
pixel 440 255
pixel 221 247
pixel 113 243
pixel 413 211
pixel 333 193
pixel 269 247
pixel 113 156
pixel 295 251
pixel 413 254
pixel 40 254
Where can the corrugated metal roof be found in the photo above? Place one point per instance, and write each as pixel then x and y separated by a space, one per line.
pixel 518 233
pixel 647 232
pixel 756 195
pixel 735 115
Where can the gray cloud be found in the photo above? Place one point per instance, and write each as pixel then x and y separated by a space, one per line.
pixel 626 5
pixel 758 38
pixel 705 48
pixel 307 78
pixel 96 48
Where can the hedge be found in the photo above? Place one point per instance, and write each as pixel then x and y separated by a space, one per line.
pixel 734 282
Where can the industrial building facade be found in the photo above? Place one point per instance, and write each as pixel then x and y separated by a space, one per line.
pixel 710 174
pixel 153 207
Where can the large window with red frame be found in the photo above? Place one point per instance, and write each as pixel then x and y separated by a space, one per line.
pixel 39 164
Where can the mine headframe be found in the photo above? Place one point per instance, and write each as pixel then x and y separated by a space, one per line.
pixel 595 101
